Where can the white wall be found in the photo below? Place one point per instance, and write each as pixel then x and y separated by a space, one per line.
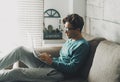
pixel 103 19
pixel 79 7
pixel 66 7
pixel 60 5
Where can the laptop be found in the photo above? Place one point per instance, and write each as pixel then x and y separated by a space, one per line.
pixel 36 52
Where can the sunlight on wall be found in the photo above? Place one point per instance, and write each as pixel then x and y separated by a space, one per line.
pixel 8 24
pixel 9 31
pixel 21 24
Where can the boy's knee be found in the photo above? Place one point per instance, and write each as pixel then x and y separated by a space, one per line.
pixel 20 48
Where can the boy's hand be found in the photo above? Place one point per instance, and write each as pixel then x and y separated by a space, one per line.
pixel 46 57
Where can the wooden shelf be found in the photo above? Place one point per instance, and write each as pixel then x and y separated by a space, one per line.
pixel 55 42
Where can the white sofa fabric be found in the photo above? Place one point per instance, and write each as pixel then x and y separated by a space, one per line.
pixel 106 63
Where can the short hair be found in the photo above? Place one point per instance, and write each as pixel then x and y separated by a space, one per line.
pixel 75 20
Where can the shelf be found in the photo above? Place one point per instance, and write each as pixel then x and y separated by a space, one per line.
pixel 55 42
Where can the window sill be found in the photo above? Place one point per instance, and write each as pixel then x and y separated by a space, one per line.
pixel 55 42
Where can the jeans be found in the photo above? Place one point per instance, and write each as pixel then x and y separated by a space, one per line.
pixel 36 71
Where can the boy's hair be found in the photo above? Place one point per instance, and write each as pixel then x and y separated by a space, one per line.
pixel 75 20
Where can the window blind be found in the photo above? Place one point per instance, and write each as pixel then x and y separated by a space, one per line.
pixel 30 22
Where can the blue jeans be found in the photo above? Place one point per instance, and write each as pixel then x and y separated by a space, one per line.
pixel 36 71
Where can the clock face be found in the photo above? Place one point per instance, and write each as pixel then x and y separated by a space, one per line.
pixel 51 13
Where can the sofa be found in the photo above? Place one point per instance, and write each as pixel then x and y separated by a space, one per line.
pixel 103 64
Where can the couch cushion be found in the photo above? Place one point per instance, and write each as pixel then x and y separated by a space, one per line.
pixel 86 67
pixel 106 63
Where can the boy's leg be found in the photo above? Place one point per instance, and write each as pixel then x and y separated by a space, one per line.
pixel 20 54
pixel 31 74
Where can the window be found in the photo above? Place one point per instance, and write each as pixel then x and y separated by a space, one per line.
pixel 21 23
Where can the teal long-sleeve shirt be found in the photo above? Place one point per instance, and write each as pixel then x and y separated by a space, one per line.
pixel 73 54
